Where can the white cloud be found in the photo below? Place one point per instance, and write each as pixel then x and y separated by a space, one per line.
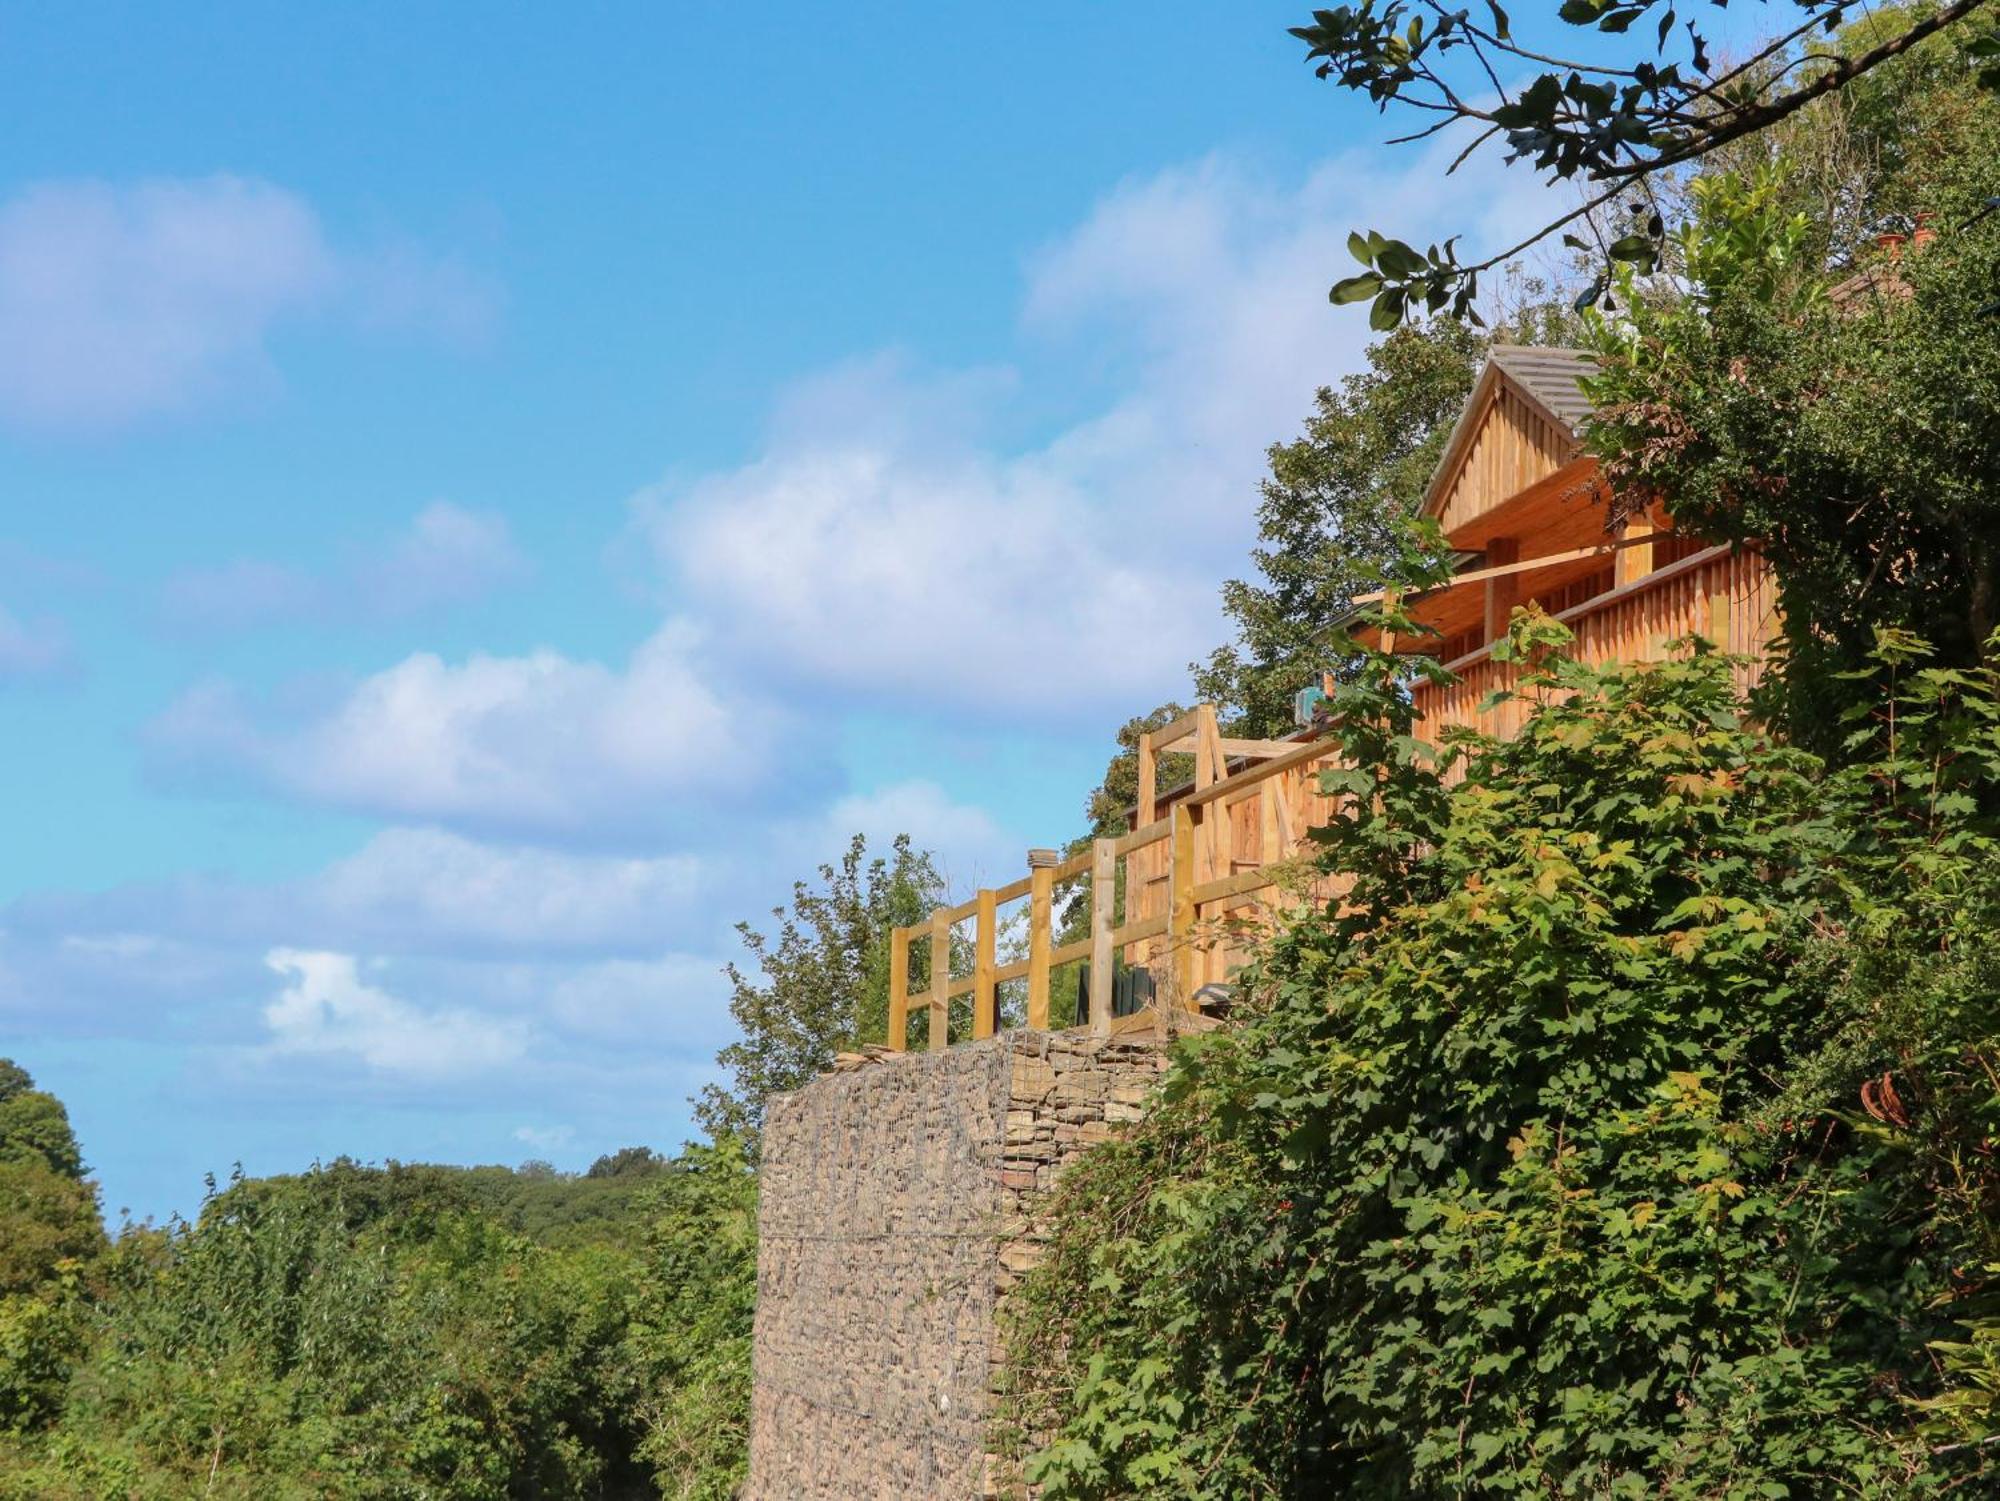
pixel 969 845
pixel 673 1003
pixel 447 555
pixel 441 890
pixel 545 1138
pixel 326 1009
pixel 32 648
pixel 538 744
pixel 908 559
pixel 126 301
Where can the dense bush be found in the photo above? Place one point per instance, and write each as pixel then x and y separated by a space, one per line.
pixel 360 1332
pixel 1627 1131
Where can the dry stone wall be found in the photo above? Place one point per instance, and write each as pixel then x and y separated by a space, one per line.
pixel 896 1209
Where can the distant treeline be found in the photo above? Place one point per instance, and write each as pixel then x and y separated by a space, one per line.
pixel 362 1332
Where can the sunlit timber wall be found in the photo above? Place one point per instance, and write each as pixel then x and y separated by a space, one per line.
pixel 897 1207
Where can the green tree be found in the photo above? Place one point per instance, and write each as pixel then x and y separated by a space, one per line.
pixel 1622 1132
pixel 822 985
pixel 34 1126
pixel 1335 513
pixel 1844 417
pixel 690 1338
pixel 1611 119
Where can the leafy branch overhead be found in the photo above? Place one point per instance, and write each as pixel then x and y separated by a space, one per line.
pixel 1606 122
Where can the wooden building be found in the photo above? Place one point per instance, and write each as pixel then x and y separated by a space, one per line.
pixel 1208 861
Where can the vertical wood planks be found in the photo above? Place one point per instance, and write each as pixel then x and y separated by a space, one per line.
pixel 899 988
pixel 940 978
pixel 985 1003
pixel 1103 893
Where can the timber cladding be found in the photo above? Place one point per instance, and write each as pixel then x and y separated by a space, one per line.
pixel 896 1207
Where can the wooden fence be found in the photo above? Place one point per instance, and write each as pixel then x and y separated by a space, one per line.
pixel 1172 893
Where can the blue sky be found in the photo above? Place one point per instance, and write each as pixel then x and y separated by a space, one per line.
pixel 487 499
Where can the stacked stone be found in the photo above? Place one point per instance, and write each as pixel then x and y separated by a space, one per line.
pixel 1070 1090
pixel 897 1207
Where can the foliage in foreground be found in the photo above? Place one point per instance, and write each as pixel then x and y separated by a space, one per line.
pixel 1626 1133
pixel 366 1333
pixel 1844 417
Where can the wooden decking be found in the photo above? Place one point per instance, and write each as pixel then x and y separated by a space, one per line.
pixel 1208 865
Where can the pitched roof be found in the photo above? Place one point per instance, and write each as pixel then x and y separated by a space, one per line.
pixel 1548 377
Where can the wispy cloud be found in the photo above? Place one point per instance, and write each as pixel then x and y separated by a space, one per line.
pixel 35 648
pixel 447 555
pixel 920 562
pixel 325 1008
pixel 125 301
pixel 541 745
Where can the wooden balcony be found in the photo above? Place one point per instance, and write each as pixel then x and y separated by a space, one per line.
pixel 1208 866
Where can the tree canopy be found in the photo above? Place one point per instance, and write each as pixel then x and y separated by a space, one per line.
pixel 1612 117
pixel 822 984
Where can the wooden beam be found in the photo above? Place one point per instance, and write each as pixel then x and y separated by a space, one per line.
pixel 1041 910
pixel 899 988
pixel 985 998
pixel 1208 747
pixel 1013 891
pixel 1243 882
pixel 1078 948
pixel 1103 892
pixel 1181 908
pixel 1270 849
pixel 1134 932
pixel 1255 749
pixel 1147 807
pixel 1523 565
pixel 1503 590
pixel 1145 834
pixel 1636 561
pixel 1171 734
pixel 940 979
pixel 1312 750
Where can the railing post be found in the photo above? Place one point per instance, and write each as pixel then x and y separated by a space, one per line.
pixel 1103 894
pixel 1147 807
pixel 1180 909
pixel 940 979
pixel 985 1003
pixel 1041 918
pixel 899 988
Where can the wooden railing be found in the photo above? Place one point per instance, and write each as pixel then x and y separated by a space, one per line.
pixel 1168 894
pixel 1153 893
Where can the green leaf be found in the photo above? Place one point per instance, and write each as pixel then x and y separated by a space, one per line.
pixel 1355 289
pixel 1499 20
pixel 1387 313
pixel 1360 249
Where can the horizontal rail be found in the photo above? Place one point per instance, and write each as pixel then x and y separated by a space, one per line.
pixel 1243 882
pixel 1134 932
pixel 1013 891
pixel 1312 750
pixel 1138 839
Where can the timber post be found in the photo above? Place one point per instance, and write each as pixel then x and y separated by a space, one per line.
pixel 1041 922
pixel 940 979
